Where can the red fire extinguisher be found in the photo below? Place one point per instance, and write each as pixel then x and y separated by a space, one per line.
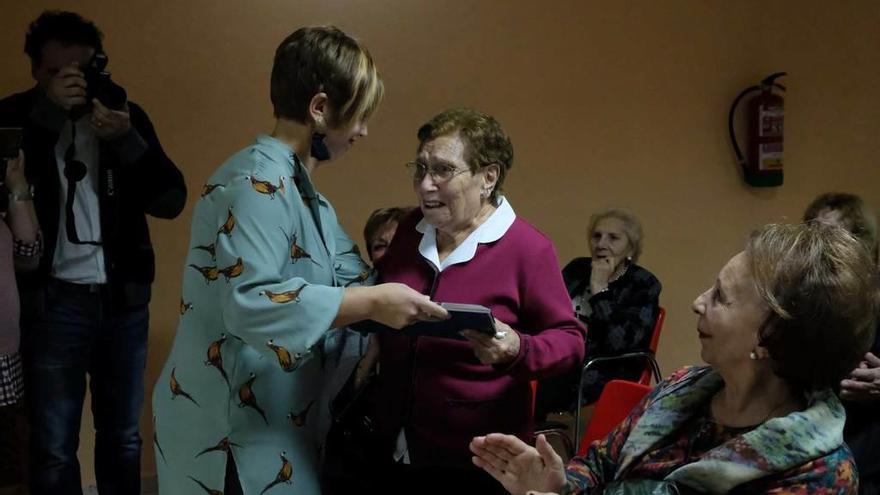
pixel 763 166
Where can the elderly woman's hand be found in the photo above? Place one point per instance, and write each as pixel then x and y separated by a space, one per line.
pixel 519 467
pixel 601 270
pixel 500 349
pixel 863 384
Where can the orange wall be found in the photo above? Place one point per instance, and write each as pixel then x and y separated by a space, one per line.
pixel 608 103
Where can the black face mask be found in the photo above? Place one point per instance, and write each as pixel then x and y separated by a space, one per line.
pixel 319 147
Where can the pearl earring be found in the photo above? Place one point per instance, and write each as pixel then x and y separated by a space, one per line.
pixel 753 356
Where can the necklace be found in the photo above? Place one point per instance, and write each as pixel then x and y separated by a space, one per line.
pixel 766 417
pixel 619 272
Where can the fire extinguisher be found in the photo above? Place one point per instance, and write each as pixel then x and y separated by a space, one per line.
pixel 763 166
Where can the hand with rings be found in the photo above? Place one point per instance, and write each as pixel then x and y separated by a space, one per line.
pixel 501 348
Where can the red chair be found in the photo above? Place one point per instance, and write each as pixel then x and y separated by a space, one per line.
pixel 651 367
pixel 618 398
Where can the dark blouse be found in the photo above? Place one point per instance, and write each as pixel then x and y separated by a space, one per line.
pixel 623 316
pixel 619 320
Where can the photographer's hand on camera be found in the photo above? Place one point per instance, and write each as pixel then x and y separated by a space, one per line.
pixel 109 124
pixel 67 88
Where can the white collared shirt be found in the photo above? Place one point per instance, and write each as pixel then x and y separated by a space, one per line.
pixel 79 263
pixel 489 231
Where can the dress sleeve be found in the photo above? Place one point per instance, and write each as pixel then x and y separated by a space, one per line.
pixel 255 235
pixel 623 318
pixel 26 255
pixel 551 338
pixel 351 270
pixel 160 189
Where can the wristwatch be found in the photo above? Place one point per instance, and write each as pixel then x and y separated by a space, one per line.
pixel 27 195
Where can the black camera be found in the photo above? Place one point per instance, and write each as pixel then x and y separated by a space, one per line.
pixel 100 86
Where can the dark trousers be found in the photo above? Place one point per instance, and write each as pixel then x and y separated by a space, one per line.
pixel 72 331
pixel 12 445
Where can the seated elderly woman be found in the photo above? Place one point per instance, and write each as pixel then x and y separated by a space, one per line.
pixel 616 299
pixel 466 245
pixel 784 321
pixel 860 391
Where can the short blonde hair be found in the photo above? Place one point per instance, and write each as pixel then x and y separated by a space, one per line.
pixel 821 287
pixel 323 58
pixel 631 227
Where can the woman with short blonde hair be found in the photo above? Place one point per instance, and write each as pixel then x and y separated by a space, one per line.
pixel 242 404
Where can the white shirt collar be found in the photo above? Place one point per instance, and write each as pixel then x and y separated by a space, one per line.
pixel 489 231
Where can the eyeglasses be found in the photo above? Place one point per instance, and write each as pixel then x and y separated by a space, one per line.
pixel 439 173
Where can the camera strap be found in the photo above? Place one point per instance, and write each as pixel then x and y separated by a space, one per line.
pixel 74 171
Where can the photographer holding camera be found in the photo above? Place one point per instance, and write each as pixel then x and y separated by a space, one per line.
pixel 96 169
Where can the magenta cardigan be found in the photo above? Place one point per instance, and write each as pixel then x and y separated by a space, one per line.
pixel 436 388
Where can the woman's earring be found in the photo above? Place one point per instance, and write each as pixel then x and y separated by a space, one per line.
pixel 484 193
pixel 753 356
pixel 319 148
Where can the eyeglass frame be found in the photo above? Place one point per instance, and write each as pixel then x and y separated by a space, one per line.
pixel 414 166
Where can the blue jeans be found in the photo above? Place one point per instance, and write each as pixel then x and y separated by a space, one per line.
pixel 77 333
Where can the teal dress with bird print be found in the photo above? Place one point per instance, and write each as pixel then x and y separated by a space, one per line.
pixel 251 367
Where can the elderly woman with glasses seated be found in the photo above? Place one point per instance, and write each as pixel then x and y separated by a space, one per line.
pixel 784 321
pixel 465 244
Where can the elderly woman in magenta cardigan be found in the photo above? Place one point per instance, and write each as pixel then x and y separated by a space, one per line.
pixel 782 324
pixel 466 245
